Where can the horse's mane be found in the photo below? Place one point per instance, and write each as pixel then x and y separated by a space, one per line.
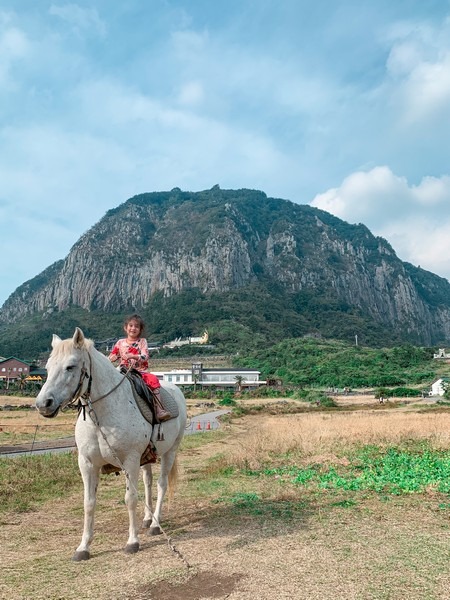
pixel 66 346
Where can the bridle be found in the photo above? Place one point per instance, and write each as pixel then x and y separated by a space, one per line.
pixel 79 395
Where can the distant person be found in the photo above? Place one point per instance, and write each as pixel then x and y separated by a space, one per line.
pixel 132 352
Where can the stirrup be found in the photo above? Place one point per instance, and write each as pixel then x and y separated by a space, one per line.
pixel 164 415
pixel 160 436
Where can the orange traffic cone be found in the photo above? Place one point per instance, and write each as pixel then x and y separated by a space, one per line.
pixel 199 425
pixel 208 425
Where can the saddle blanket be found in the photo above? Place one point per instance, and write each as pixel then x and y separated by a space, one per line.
pixel 167 400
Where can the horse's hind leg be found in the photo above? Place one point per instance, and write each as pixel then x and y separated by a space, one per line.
pixel 168 468
pixel 147 476
pixel 90 475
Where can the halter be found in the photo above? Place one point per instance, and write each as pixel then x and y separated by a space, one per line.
pixel 86 395
pixel 83 375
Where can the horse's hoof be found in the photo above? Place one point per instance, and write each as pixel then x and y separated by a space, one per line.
pixel 156 530
pixel 146 523
pixel 82 555
pixel 132 548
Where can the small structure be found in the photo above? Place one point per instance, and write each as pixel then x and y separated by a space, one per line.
pixel 439 386
pixel 203 339
pixel 442 355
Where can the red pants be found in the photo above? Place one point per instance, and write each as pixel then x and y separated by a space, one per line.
pixel 151 380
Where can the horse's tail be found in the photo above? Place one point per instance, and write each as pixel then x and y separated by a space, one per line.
pixel 173 479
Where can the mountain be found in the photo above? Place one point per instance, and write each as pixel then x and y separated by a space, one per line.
pixel 237 262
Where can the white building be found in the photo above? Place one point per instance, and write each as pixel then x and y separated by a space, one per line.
pixel 441 354
pixel 438 387
pixel 220 378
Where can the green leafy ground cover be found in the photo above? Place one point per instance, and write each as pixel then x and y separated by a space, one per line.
pixel 388 471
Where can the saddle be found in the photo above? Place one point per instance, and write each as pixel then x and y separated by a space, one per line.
pixel 145 400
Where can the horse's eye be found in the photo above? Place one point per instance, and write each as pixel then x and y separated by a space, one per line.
pixel 70 368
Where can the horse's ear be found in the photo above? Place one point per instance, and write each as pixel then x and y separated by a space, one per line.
pixel 55 340
pixel 78 338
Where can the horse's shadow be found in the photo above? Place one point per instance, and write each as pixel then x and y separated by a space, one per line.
pixel 245 523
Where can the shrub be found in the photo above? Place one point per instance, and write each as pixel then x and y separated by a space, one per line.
pixel 227 401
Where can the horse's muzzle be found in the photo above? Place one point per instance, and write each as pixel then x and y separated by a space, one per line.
pixel 47 408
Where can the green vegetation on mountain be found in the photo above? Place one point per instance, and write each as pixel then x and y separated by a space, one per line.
pixel 326 363
pixel 237 321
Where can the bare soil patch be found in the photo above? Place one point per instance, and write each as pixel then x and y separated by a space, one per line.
pixel 208 584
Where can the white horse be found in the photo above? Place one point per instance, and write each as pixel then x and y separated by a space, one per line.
pixel 110 429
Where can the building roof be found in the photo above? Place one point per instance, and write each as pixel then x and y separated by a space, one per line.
pixel 14 358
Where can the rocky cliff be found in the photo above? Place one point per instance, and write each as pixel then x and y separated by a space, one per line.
pixel 225 240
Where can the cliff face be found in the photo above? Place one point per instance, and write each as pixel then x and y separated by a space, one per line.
pixel 223 240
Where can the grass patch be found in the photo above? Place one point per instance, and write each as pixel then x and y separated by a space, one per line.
pixel 252 504
pixel 190 442
pixel 279 407
pixel 28 482
pixel 389 471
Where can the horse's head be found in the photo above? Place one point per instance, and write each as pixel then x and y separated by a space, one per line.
pixel 68 370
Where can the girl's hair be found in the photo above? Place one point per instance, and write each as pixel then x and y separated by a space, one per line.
pixel 139 320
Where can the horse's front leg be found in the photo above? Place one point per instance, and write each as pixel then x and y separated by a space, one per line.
pixel 147 476
pixel 167 462
pixel 131 467
pixel 90 476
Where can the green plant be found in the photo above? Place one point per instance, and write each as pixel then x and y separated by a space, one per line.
pixel 227 401
pixel 392 471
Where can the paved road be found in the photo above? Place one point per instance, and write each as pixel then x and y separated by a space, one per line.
pixel 198 424
pixel 205 422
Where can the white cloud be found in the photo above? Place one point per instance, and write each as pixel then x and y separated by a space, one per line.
pixel 414 218
pixel 433 191
pixel 365 196
pixel 418 68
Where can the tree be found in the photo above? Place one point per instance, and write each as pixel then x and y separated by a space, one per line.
pixel 240 380
pixel 21 381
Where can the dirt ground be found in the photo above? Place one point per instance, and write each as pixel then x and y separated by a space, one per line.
pixel 378 550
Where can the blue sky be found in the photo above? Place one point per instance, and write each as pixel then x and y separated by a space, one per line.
pixel 342 105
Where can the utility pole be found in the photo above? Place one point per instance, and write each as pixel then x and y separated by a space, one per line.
pixel 356 339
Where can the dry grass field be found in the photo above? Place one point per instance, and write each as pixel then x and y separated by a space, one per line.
pixel 247 536
pixel 27 426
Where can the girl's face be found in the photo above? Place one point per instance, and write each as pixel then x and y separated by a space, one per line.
pixel 133 330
